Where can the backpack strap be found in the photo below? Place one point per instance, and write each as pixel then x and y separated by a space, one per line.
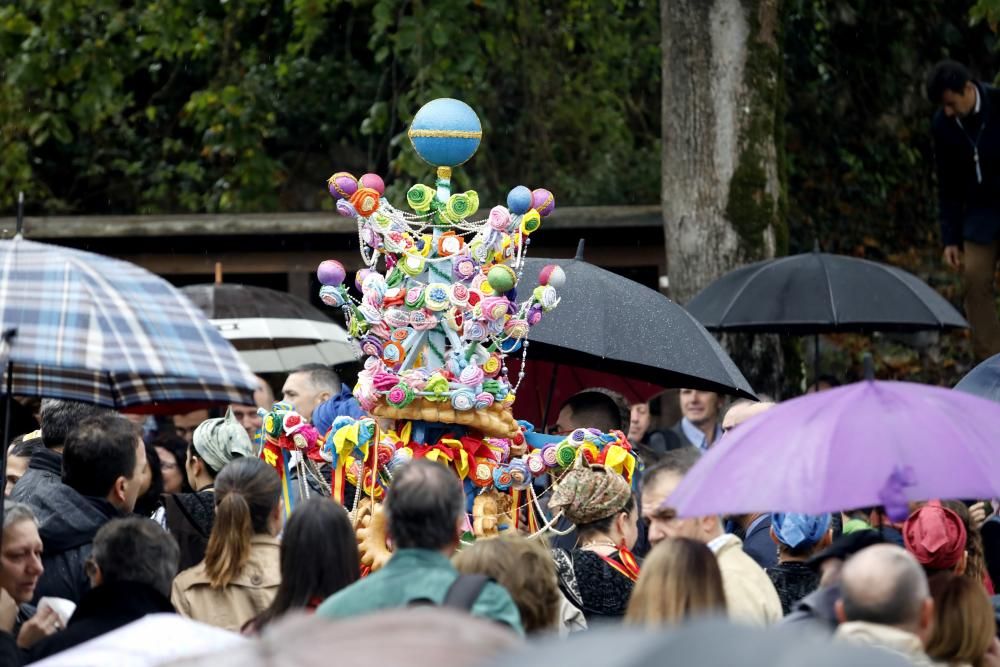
pixel 464 592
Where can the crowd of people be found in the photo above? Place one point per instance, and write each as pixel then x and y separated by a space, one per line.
pixel 126 518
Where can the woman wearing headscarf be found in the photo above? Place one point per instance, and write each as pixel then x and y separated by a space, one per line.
pixel 798 537
pixel 936 536
pixel 189 516
pixel 599 573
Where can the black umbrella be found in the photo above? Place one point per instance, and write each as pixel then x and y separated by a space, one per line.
pixel 273 331
pixel 816 292
pixel 609 323
pixel 983 380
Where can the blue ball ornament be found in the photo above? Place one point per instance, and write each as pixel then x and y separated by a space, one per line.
pixel 445 132
pixel 519 200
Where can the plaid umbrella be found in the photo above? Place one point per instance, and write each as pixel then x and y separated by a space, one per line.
pixel 97 330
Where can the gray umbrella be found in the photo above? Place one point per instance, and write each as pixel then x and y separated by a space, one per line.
pixel 706 644
pixel 273 331
pixel 609 323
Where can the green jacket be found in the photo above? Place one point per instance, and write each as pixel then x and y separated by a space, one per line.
pixel 416 574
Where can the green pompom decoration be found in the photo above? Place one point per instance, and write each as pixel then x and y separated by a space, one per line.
pixel 458 207
pixel 565 455
pixel 419 197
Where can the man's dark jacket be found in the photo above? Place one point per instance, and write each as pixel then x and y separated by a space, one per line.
pixel 67 531
pixel 103 609
pixel 44 470
pixel 968 209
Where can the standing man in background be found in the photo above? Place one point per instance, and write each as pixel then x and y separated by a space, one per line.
pixel 966 130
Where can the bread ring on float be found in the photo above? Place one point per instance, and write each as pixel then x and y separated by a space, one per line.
pixel 372 541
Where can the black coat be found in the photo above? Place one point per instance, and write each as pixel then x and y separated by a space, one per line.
pixel 103 609
pixel 967 208
pixel 44 470
pixel 67 532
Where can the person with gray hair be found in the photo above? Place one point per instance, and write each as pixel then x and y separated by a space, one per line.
pixel 131 567
pixel 425 512
pixel 885 601
pixel 58 418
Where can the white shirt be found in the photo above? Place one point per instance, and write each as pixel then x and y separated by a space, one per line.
pixel 718 542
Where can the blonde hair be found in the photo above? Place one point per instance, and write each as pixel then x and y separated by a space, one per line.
pixel 525 568
pixel 680 579
pixel 964 623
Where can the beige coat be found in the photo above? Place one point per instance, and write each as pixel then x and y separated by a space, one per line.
pixel 885 637
pixel 750 595
pixel 250 593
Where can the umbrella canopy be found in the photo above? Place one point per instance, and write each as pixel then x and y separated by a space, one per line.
pixel 274 331
pixel 712 643
pixel 815 292
pixel 611 324
pixel 549 386
pixel 98 330
pixel 862 445
pixel 983 380
pixel 144 644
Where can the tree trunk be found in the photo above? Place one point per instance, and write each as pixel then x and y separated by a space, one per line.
pixel 723 196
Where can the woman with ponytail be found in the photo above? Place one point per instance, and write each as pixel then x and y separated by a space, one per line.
pixel 242 568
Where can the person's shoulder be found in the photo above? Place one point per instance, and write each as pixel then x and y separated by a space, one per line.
pixel 191 577
pixel 347 601
pixel 496 603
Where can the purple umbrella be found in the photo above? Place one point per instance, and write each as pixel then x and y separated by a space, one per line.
pixel 861 445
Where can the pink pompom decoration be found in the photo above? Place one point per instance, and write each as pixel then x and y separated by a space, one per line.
pixel 552 274
pixel 499 218
pixel 331 272
pixel 375 182
pixel 542 201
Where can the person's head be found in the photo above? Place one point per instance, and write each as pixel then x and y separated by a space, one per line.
pixel 247 503
pixel 151 484
pixel 742 410
pixel 133 550
pixel 658 482
pixel 800 535
pixel 964 623
pixel 640 422
pixel 885 585
pixel 308 386
pixel 172 452
pixel 599 502
pixel 185 424
pixel 425 507
pixel 263 395
pixel 19 456
pixel 319 556
pixel 525 568
pixel 60 418
pixel 248 418
pixel 701 408
pixel 680 579
pixel 105 457
pixel 950 85
pixel 215 443
pixel 20 553
pixel 590 409
pixel 830 561
pixel 975 566
pixel 936 536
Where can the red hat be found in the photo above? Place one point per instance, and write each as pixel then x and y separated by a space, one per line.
pixel 936 536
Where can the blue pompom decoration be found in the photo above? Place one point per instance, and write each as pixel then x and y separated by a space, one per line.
pixel 519 200
pixel 446 132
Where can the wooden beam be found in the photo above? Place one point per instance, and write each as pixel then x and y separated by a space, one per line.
pixel 244 224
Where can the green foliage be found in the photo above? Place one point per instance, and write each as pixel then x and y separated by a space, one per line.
pixel 858 143
pixel 178 105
